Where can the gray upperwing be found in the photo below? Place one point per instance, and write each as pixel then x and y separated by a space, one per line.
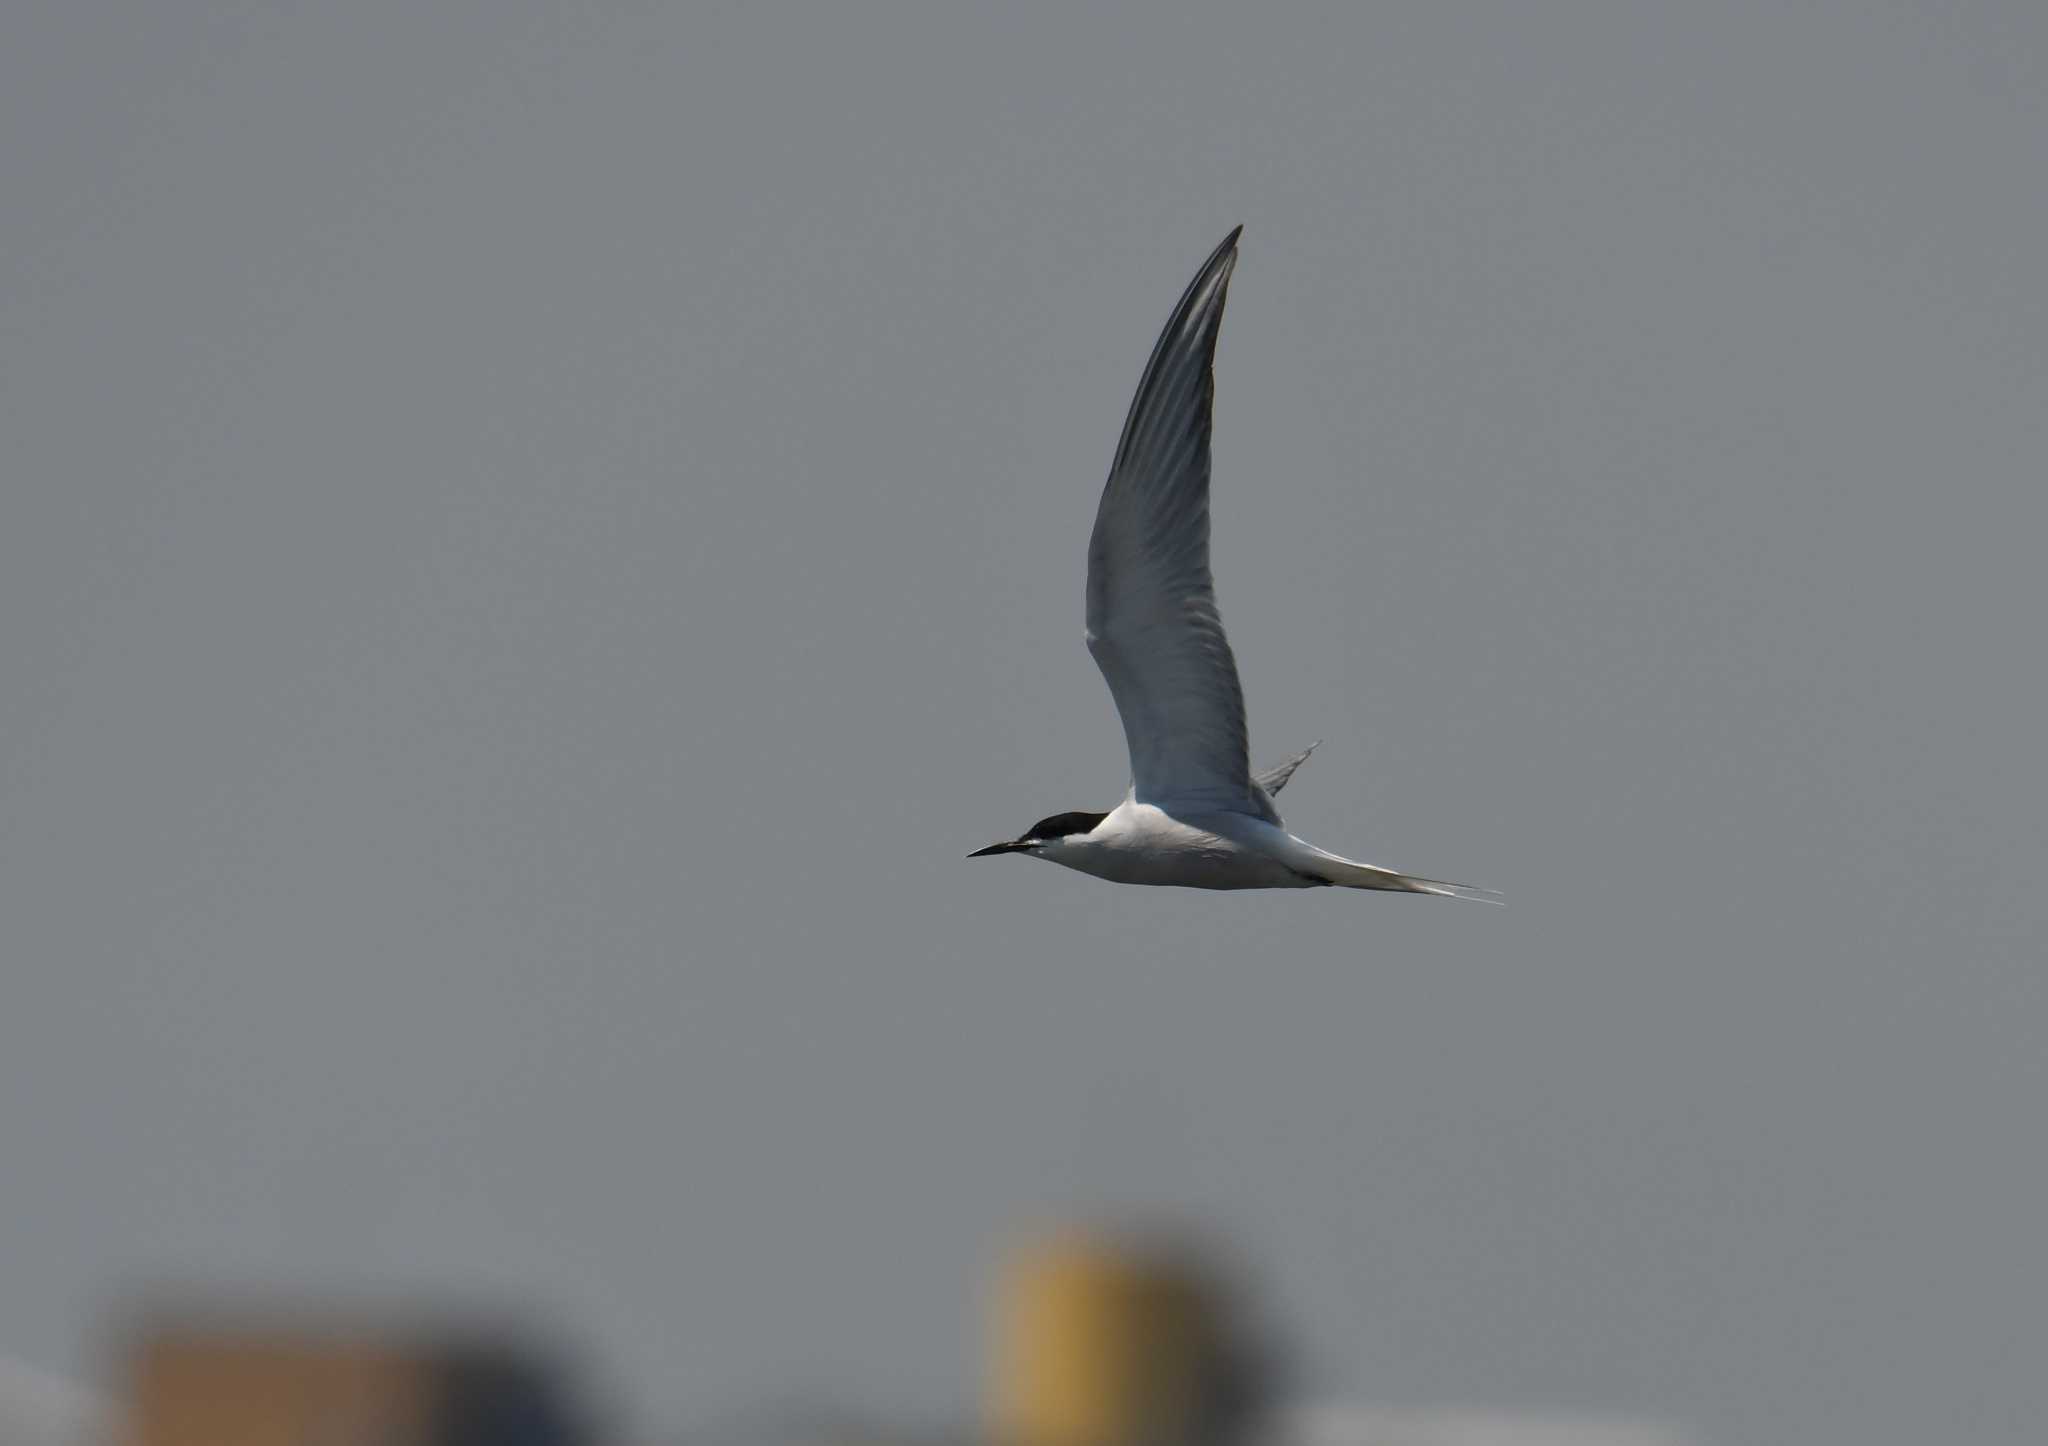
pixel 1152 620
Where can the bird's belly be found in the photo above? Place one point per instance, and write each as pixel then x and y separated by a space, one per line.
pixel 1139 844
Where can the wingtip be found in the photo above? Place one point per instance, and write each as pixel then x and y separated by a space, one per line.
pixel 1225 254
pixel 1216 271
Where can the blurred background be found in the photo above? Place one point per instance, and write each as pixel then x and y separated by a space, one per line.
pixel 533 539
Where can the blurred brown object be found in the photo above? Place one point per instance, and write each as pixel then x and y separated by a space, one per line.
pixel 307 1382
pixel 1106 1342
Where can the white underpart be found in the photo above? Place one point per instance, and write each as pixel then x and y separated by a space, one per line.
pixel 1141 843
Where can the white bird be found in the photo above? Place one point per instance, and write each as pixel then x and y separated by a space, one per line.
pixel 1195 814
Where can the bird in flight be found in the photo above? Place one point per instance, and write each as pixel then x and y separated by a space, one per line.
pixel 1195 815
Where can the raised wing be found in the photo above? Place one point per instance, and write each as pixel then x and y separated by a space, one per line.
pixel 1152 620
pixel 1275 778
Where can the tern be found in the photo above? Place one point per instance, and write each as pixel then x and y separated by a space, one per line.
pixel 1195 816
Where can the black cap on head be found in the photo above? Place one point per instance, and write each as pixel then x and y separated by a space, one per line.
pixel 1060 825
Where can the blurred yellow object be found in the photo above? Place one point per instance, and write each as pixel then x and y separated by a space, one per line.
pixel 1101 1343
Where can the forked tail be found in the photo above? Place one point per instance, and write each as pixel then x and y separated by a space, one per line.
pixel 1352 875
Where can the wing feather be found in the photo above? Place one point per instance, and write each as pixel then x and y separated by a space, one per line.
pixel 1152 621
pixel 1275 778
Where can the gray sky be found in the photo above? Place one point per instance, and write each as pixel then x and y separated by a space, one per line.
pixel 535 538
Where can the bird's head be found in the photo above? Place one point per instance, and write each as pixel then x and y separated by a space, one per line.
pixel 1045 831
